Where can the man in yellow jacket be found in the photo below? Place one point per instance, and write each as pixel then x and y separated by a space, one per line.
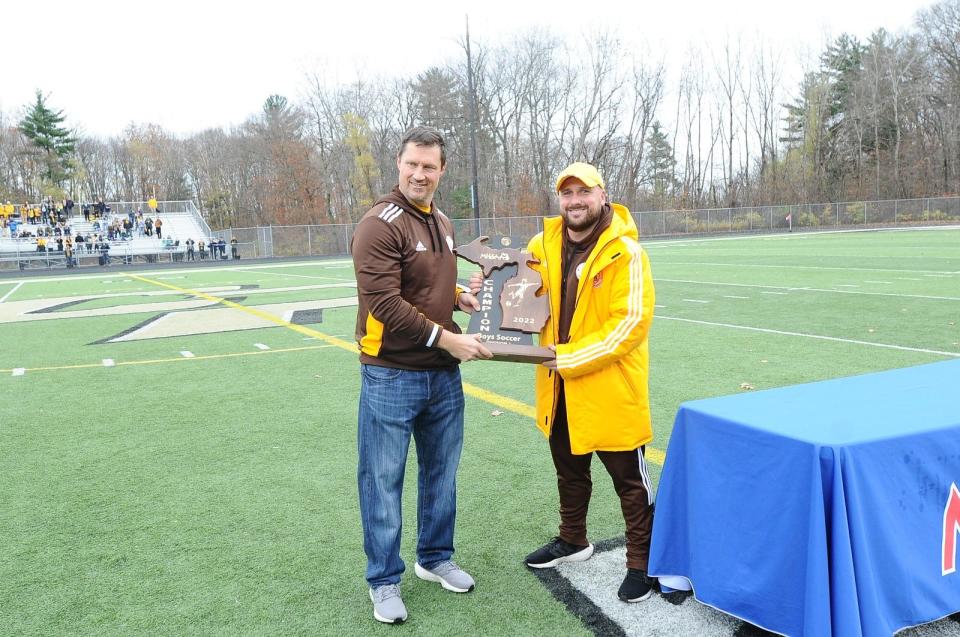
pixel 593 398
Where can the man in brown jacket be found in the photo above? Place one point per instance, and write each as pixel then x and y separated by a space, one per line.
pixel 410 350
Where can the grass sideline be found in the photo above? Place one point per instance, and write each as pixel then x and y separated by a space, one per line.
pixel 216 494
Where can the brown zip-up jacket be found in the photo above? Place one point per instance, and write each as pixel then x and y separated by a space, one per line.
pixel 406 284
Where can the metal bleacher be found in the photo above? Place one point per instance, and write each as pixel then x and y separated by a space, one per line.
pixel 181 221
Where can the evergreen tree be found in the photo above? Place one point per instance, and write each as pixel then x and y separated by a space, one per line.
pixel 660 162
pixel 42 126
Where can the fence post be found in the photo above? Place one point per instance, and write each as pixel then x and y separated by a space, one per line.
pixel 309 241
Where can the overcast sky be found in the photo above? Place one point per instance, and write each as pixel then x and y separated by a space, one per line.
pixel 191 65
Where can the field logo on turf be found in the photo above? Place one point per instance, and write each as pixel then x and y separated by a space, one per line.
pixel 951 529
pixel 174 318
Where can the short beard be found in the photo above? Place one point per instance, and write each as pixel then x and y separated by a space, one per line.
pixel 589 220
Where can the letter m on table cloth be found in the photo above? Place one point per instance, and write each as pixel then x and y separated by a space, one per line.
pixel 951 529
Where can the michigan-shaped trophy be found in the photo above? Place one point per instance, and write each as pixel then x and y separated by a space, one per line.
pixel 510 310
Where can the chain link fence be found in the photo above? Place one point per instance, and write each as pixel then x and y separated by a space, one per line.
pixel 334 240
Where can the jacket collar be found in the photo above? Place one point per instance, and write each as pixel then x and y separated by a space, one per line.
pixel 621 225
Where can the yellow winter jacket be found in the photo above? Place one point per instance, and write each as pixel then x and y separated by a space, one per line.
pixel 605 366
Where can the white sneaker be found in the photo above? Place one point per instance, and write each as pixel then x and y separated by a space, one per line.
pixel 448 574
pixel 387 605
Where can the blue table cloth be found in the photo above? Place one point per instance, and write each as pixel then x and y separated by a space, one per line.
pixel 817 509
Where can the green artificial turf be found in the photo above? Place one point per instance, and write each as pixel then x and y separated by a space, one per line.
pixel 217 495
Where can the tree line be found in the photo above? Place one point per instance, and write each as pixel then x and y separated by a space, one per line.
pixel 871 119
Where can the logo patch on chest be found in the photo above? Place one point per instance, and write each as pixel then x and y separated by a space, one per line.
pixel 598 280
pixel 421 247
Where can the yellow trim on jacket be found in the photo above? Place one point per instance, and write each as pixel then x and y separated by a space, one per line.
pixel 605 366
pixel 372 339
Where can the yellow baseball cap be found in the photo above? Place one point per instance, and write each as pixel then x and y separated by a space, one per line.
pixel 584 172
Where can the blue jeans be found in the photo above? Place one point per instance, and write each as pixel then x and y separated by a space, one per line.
pixel 395 403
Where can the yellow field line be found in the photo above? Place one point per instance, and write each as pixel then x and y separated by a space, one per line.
pixel 502 402
pixel 167 360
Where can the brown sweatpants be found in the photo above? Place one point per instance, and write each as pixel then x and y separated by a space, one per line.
pixel 629 473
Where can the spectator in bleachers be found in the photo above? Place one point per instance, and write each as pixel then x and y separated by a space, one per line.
pixel 85 209
pixel 234 248
pixel 190 255
pixel 203 250
pixel 41 244
pixel 68 251
pixel 59 244
pixel 158 226
pixel 152 204
pixel 80 242
pixel 148 227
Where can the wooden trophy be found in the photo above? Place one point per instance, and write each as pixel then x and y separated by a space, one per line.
pixel 510 310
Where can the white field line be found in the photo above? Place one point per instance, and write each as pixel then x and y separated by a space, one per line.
pixel 816 336
pixel 186 354
pixel 662 263
pixel 695 301
pixel 7 295
pixel 785 236
pixel 305 276
pixel 108 362
pixel 218 290
pixel 907 278
pixel 731 296
pixel 88 277
pixel 19 371
pixel 261 346
pixel 883 282
pixel 805 289
pixel 847 285
pixel 770 292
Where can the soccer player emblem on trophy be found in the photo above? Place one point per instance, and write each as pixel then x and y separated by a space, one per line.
pixel 510 310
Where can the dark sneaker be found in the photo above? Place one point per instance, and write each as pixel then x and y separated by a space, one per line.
pixel 636 586
pixel 448 575
pixel 387 605
pixel 557 552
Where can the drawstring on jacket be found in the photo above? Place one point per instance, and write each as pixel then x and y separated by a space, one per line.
pixel 438 245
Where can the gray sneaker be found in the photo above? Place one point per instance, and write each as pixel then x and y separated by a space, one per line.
pixel 387 605
pixel 448 574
